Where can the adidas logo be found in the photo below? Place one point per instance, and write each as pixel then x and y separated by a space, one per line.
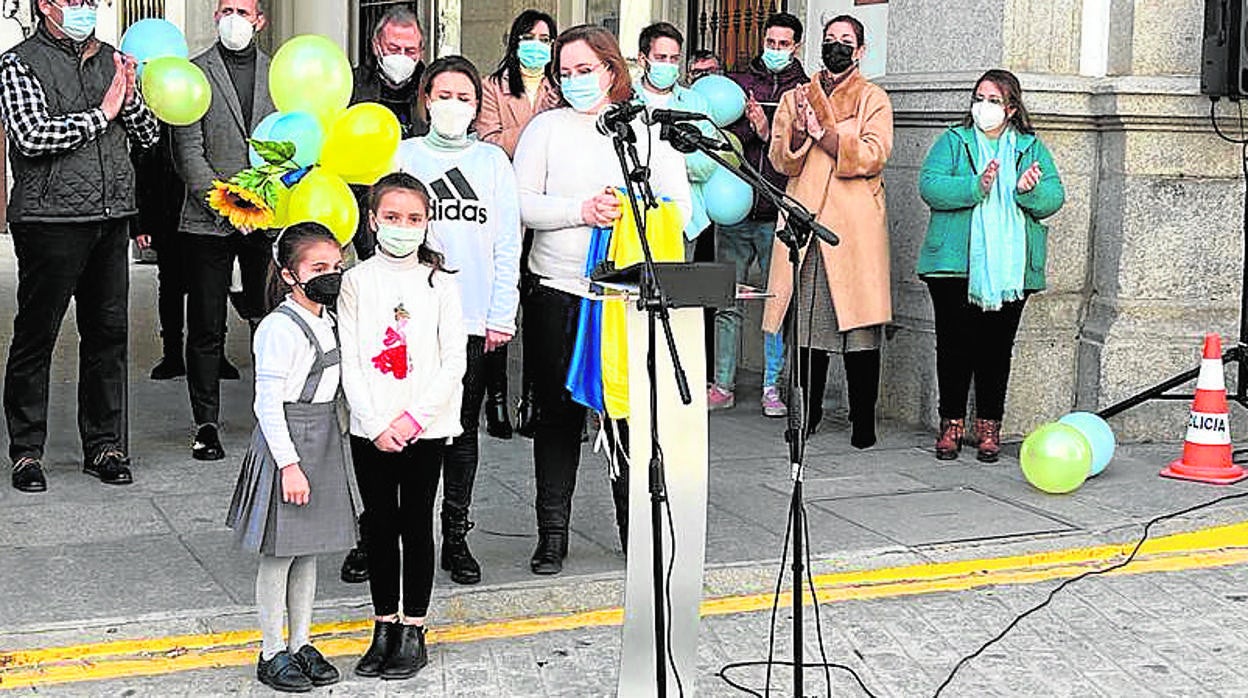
pixel 452 194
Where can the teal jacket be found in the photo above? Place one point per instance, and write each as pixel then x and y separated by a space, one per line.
pixel 949 184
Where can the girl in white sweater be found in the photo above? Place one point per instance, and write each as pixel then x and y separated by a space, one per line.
pixel 403 358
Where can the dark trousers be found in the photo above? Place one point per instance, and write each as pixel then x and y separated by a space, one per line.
pixel 398 490
pixel 495 375
pixel 55 262
pixel 463 453
pixel 550 319
pixel 971 343
pixel 209 264
pixel 171 289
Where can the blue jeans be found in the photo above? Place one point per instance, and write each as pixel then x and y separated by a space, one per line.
pixel 742 245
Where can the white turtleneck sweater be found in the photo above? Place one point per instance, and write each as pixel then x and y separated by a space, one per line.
pixel 403 346
pixel 561 161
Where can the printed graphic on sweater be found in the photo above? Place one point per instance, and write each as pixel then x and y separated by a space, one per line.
pixel 456 200
pixel 393 359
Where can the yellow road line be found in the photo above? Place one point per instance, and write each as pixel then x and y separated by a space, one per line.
pixel 1211 547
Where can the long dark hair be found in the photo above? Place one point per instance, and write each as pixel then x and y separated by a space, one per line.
pixel 449 64
pixel 604 45
pixel 288 250
pixel 1012 91
pixel 402 181
pixel 509 66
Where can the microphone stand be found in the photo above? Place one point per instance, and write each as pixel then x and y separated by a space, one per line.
pixel 654 302
pixel 800 227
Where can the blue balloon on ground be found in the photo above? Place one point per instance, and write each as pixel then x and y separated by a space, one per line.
pixel 728 197
pixel 725 97
pixel 152 38
pixel 1099 435
pixel 301 128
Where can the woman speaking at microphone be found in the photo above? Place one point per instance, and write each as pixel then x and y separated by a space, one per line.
pixel 568 174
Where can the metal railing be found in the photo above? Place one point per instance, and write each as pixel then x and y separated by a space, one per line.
pixel 733 29
pixel 131 11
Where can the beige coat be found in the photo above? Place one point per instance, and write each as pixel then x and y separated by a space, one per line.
pixel 846 194
pixel 504 117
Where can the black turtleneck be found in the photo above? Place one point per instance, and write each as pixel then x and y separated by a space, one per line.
pixel 242 68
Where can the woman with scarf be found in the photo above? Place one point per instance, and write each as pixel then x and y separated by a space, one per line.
pixel 990 182
pixel 832 138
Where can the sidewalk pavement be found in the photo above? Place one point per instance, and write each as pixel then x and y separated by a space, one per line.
pixel 89 563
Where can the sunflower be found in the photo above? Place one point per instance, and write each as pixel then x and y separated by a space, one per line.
pixel 245 209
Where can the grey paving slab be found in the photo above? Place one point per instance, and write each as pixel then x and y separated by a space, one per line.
pixel 66 523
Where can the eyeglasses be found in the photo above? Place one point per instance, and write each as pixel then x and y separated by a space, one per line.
pixel 533 37
pixel 695 74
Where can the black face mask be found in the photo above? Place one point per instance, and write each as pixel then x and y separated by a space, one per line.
pixel 837 57
pixel 323 289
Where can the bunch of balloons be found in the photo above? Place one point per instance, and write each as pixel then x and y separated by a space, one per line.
pixel 1058 457
pixel 728 198
pixel 175 89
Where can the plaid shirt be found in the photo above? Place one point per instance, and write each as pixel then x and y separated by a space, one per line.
pixel 35 132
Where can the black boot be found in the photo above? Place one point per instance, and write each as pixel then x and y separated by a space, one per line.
pixel 526 412
pixel 385 639
pixel 409 655
pixel 814 379
pixel 355 566
pixel 619 493
pixel 171 364
pixel 497 422
pixel 456 557
pixel 862 380
pixel 283 673
pixel 552 548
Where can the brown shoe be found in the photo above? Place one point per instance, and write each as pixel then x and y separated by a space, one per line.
pixel 949 443
pixel 988 435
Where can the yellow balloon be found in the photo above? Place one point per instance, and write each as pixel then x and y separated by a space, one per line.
pixel 281 211
pixel 368 178
pixel 361 141
pixel 310 73
pixel 324 198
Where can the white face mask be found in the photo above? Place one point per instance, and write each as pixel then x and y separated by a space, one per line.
pixel 451 117
pixel 398 67
pixel 987 115
pixel 235 32
pixel 398 240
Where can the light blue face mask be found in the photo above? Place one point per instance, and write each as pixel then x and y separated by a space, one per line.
pixel 533 54
pixel 582 91
pixel 78 23
pixel 777 59
pixel 663 75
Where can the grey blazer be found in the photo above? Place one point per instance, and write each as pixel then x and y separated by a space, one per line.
pixel 216 146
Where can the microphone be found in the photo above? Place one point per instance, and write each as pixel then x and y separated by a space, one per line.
pixel 618 114
pixel 686 138
pixel 672 116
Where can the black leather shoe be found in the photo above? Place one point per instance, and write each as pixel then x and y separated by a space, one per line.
pixel 456 557
pixel 28 476
pixel 355 566
pixel 385 639
pixel 552 548
pixel 526 417
pixel 168 368
pixel 207 444
pixel 110 466
pixel 227 371
pixel 497 423
pixel 409 656
pixel 282 673
pixel 316 667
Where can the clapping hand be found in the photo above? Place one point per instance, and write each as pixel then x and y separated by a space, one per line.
pixel 120 90
pixel 1030 178
pixel 989 177
pixel 757 117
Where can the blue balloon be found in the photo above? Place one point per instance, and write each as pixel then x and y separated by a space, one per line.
pixel 301 128
pixel 728 197
pixel 725 97
pixel 152 38
pixel 1099 435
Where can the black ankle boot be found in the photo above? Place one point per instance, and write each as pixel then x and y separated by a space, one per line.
pixel 862 380
pixel 814 379
pixel 552 548
pixel 355 566
pixel 526 412
pixel 409 655
pixel 385 639
pixel 497 422
pixel 456 557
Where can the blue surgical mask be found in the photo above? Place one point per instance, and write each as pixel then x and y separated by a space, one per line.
pixel 662 75
pixel 777 59
pixel 398 240
pixel 78 23
pixel 582 91
pixel 533 54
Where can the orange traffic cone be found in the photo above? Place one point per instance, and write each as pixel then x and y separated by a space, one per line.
pixel 1207 448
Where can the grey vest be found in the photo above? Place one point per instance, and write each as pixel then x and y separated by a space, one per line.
pixel 94 182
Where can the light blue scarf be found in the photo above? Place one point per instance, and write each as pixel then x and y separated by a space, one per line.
pixel 998 254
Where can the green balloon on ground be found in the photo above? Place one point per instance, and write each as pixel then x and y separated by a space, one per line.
pixel 1056 458
pixel 176 90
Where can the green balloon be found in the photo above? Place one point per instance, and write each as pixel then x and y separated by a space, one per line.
pixel 311 73
pixel 176 90
pixel 1056 458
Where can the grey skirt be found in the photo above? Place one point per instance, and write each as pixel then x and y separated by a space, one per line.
pixel 817 326
pixel 264 524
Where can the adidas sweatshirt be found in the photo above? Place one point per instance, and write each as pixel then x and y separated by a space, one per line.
pixel 474 220
pixel 562 160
